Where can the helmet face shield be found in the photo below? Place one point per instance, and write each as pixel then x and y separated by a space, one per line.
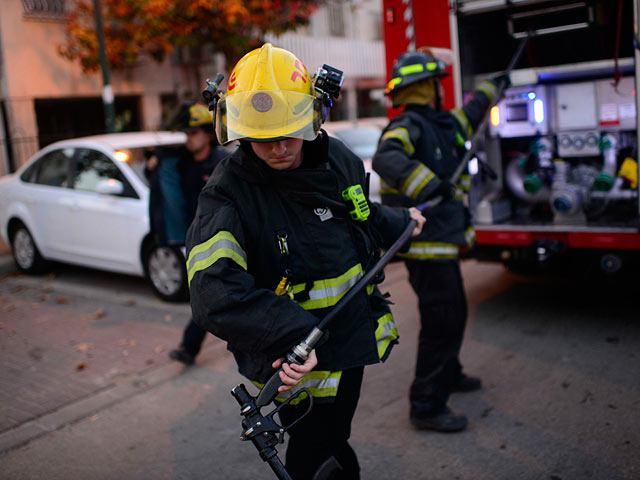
pixel 263 115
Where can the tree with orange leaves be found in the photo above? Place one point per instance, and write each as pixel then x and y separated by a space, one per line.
pixel 156 27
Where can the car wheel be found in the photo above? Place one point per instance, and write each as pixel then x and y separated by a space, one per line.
pixel 166 270
pixel 25 252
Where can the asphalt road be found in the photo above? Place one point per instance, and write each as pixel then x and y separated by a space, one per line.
pixel 559 358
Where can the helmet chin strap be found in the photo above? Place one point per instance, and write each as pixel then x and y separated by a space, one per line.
pixel 438 98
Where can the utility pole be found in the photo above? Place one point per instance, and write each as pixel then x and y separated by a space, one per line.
pixel 107 90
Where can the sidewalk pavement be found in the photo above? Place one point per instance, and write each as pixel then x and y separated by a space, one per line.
pixel 69 350
pixel 92 394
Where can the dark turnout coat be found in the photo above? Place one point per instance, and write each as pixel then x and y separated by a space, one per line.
pixel 417 151
pixel 256 225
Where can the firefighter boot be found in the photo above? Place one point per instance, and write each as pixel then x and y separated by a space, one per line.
pixel 442 420
pixel 181 355
pixel 466 383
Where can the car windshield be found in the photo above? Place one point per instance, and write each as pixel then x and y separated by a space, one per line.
pixel 362 140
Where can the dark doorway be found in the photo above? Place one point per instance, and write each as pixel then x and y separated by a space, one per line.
pixel 63 118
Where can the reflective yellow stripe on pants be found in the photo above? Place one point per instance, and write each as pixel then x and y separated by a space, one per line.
pixel 325 293
pixel 431 250
pixel 323 383
pixel 320 384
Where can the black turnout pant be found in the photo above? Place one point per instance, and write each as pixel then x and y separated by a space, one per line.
pixel 192 338
pixel 324 432
pixel 443 316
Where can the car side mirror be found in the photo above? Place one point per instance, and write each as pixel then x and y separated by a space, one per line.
pixel 110 186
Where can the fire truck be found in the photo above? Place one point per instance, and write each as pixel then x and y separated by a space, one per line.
pixel 555 163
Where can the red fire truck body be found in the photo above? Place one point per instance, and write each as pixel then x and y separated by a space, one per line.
pixel 555 176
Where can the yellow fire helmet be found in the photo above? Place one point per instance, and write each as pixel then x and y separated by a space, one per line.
pixel 192 116
pixel 199 116
pixel 269 96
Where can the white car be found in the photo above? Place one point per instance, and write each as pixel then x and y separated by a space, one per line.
pixel 361 137
pixel 85 201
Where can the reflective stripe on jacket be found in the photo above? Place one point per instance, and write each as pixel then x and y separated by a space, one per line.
pixel 221 245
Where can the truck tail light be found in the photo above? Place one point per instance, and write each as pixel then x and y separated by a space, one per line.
pixel 390 15
pixel 495 116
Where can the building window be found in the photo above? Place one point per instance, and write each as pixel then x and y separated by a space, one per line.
pixel 336 18
pixel 376 25
pixel 54 9
pixel 371 102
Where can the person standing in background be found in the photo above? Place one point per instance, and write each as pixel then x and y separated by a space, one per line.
pixel 417 154
pixel 178 175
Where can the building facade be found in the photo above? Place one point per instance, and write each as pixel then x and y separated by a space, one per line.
pixel 45 97
pixel 346 35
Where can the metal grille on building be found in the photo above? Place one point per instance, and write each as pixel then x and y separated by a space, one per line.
pixel 45 8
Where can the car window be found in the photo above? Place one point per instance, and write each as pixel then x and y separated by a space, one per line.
pixel 363 140
pixel 92 167
pixel 53 168
pixel 29 175
pixel 137 158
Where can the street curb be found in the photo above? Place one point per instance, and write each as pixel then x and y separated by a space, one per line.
pixel 89 291
pixel 6 263
pixel 87 406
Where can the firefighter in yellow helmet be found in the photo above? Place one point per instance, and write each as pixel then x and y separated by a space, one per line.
pixel 196 162
pixel 176 176
pixel 418 152
pixel 274 247
pixel 269 96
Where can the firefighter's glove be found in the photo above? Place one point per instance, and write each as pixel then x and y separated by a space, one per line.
pixel 502 78
pixel 445 190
